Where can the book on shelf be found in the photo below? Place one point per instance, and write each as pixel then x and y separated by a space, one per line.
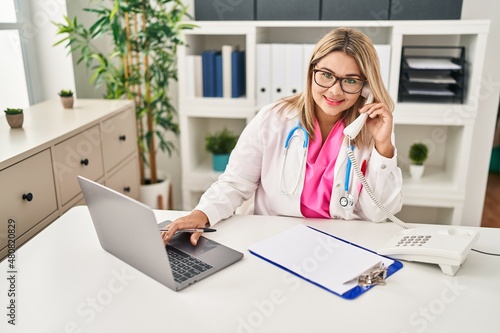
pixel 278 71
pixel 227 51
pixel 194 84
pixel 294 63
pixel 263 74
pixel 238 73
pixel 218 75
pixel 198 76
pixel 223 72
pixel 208 72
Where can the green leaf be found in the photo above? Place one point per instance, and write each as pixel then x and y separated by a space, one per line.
pixel 115 9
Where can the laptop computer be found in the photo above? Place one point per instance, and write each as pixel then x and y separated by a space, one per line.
pixel 128 230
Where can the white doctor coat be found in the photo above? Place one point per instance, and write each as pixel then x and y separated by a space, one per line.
pixel 256 165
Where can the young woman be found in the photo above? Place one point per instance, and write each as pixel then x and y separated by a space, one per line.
pixel 312 176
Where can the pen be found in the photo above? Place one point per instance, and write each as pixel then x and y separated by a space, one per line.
pixel 193 230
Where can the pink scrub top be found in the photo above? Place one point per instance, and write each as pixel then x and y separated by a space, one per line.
pixel 318 181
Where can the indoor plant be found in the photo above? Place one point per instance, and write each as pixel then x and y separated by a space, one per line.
pixel 141 64
pixel 418 155
pixel 15 117
pixel 67 98
pixel 220 144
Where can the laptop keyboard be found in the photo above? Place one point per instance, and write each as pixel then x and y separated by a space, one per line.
pixel 185 266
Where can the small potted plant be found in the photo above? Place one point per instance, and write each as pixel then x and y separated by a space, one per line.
pixel 418 155
pixel 220 144
pixel 67 99
pixel 15 117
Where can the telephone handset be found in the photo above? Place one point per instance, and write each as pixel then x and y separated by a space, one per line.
pixel 446 246
pixel 355 127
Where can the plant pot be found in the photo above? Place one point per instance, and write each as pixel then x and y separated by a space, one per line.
pixel 219 162
pixel 157 196
pixel 416 171
pixel 67 102
pixel 15 120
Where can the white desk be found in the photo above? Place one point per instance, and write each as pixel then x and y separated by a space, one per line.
pixel 68 283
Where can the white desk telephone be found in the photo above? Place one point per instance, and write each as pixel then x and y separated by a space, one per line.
pixel 447 246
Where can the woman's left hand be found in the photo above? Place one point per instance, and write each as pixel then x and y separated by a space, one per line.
pixel 379 125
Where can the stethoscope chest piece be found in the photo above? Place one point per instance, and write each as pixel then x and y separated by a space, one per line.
pixel 347 200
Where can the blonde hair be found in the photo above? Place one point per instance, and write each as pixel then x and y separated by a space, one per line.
pixel 357 45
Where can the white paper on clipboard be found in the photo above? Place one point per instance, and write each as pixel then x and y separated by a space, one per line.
pixel 318 257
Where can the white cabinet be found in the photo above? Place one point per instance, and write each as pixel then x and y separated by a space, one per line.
pixel 40 161
pixel 447 128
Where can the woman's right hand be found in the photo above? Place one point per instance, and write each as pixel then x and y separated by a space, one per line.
pixel 196 219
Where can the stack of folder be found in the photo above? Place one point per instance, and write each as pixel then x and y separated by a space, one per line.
pixel 282 69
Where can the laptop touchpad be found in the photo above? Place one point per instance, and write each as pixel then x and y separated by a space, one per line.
pixel 183 243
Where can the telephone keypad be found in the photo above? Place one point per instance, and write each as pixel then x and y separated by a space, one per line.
pixel 415 240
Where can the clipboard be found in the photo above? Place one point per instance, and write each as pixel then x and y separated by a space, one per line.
pixel 322 259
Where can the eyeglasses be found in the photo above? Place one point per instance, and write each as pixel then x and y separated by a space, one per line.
pixel 327 80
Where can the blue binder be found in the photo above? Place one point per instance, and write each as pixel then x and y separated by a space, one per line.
pixel 218 75
pixel 208 68
pixel 352 293
pixel 238 73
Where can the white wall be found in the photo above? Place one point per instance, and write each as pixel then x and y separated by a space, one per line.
pixel 488 106
pixel 84 88
pixel 53 66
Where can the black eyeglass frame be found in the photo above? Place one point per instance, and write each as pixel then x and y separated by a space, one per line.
pixel 337 79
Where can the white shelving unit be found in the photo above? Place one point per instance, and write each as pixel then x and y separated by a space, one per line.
pixel 447 128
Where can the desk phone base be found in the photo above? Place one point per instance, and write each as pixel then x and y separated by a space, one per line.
pixel 447 247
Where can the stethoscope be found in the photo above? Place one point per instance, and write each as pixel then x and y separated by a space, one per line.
pixel 347 199
pixel 295 133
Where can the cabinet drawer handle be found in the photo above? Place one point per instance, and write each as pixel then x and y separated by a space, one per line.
pixel 84 162
pixel 28 196
pixel 122 137
pixel 126 189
